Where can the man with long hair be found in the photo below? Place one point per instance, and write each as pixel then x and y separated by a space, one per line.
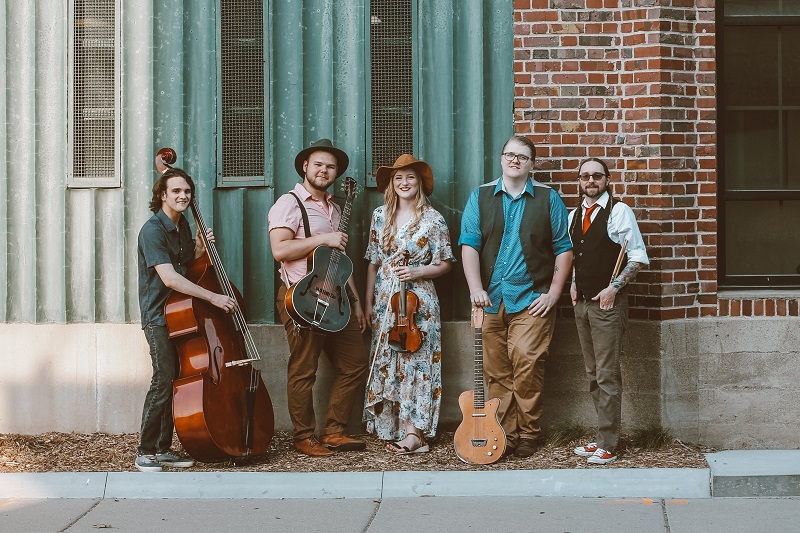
pixel 600 228
pixel 165 249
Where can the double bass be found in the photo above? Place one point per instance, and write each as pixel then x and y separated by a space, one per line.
pixel 221 408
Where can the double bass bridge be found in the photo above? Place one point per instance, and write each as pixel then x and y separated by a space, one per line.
pixel 240 362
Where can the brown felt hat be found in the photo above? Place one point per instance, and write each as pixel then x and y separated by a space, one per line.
pixel 322 145
pixel 384 174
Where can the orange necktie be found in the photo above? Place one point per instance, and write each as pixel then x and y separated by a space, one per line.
pixel 587 217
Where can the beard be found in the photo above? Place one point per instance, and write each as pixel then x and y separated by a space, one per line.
pixel 595 192
pixel 317 183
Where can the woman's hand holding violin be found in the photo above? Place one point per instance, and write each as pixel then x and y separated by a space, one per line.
pixel 408 273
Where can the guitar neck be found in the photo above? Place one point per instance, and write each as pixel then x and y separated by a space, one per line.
pixel 345 220
pixel 479 384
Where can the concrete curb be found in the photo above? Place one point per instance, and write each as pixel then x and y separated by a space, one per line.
pixel 755 473
pixel 610 483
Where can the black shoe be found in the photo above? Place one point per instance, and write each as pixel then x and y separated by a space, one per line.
pixel 527 447
pixel 509 451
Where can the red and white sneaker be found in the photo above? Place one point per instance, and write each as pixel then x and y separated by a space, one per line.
pixel 586 450
pixel 602 457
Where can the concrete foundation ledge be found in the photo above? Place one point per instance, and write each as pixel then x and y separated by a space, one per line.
pixel 609 483
pixel 755 473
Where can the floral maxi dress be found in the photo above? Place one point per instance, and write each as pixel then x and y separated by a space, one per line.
pixel 406 387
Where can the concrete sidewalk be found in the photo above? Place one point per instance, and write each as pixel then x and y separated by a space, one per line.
pixel 761 473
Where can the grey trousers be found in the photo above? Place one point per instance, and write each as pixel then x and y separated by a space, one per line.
pixel 600 332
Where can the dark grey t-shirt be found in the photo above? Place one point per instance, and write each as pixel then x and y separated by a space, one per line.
pixel 161 242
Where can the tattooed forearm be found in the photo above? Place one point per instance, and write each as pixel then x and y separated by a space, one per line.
pixel 627 274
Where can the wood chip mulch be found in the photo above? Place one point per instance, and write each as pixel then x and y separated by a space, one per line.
pixel 99 452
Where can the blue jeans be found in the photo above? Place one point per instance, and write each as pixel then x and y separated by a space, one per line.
pixel 157 424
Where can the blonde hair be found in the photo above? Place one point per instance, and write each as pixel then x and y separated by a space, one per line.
pixel 390 200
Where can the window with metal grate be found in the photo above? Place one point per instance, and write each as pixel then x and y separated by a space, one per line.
pixel 93 116
pixel 241 91
pixel 392 83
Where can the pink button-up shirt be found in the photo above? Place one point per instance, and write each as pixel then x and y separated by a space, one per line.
pixel 323 217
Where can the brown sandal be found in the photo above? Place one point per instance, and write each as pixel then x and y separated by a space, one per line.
pixel 397 449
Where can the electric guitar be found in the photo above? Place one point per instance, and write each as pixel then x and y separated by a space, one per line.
pixel 480 438
pixel 319 300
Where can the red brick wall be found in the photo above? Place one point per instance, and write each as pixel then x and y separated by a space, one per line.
pixel 632 82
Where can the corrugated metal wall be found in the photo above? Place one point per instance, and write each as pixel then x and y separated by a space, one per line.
pixel 69 255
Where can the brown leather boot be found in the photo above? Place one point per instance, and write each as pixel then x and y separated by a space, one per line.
pixel 342 443
pixel 311 448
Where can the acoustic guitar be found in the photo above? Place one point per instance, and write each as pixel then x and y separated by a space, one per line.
pixel 319 300
pixel 480 438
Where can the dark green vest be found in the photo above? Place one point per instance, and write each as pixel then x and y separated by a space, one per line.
pixel 535 234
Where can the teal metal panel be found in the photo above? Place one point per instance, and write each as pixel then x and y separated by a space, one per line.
pixel 51 169
pixel 109 255
pixel 138 171
pixel 168 77
pixel 80 255
pixel 4 100
pixel 466 97
pixel 73 258
pixel 259 267
pixel 21 131
pixel 199 72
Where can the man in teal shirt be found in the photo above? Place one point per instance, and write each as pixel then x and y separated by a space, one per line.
pixel 517 256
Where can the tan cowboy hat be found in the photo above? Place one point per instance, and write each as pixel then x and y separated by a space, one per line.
pixel 422 168
pixel 323 145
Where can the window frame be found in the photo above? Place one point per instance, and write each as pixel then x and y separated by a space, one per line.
pixel 415 110
pixel 745 281
pixel 266 178
pixel 115 181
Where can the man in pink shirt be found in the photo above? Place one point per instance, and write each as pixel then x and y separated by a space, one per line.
pixel 319 165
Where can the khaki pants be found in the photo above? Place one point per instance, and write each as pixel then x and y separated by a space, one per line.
pixel 515 347
pixel 348 356
pixel 600 332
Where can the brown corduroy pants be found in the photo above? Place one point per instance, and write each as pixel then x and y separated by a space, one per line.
pixel 348 356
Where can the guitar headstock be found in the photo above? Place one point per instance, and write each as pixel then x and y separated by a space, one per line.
pixel 350 188
pixel 477 317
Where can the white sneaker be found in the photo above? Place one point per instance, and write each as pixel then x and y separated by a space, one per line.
pixel 586 450
pixel 602 457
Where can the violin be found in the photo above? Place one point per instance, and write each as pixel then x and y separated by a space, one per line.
pixel 405 336
pixel 221 408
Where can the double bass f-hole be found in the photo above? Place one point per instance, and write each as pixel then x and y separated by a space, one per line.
pixel 405 335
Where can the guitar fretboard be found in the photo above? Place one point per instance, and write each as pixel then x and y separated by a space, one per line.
pixel 479 388
pixel 333 267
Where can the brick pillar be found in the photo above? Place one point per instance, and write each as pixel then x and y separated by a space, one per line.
pixel 632 82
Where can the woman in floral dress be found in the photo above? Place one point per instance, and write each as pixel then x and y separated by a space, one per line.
pixel 404 392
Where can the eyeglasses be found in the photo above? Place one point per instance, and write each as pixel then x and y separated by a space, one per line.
pixel 597 176
pixel 510 156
